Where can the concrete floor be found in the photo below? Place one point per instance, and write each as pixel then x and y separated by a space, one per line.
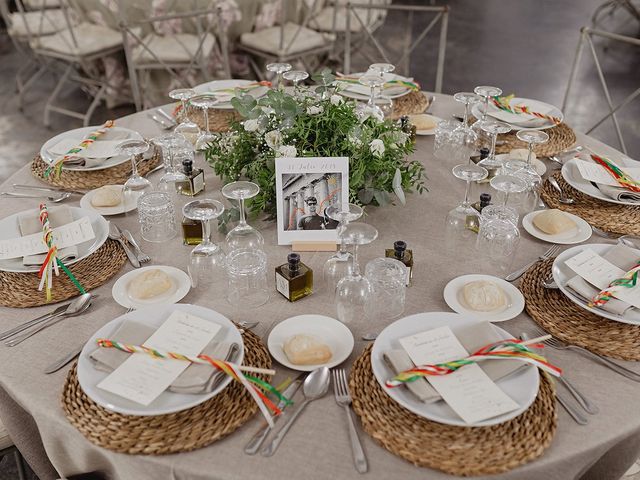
pixel 524 47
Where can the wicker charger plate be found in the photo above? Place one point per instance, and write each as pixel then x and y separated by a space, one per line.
pixel 73 180
pixel 20 290
pixel 561 137
pixel 454 450
pixel 183 431
pixel 610 217
pixel 219 120
pixel 558 315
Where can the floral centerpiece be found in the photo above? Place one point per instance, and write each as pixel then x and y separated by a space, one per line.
pixel 315 123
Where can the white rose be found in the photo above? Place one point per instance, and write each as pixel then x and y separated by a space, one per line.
pixel 336 99
pixel 251 125
pixel 377 147
pixel 273 139
pixel 315 110
pixel 287 151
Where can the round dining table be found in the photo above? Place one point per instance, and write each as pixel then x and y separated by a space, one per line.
pixel 318 446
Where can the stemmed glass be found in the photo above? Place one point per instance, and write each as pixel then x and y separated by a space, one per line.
pixel 508 184
pixel 468 139
pixel 279 69
pixel 207 261
pixel 370 108
pixel 353 292
pixel 341 263
pixel 493 129
pixel 171 144
pixel 531 138
pixel 136 185
pixel 296 76
pixel 486 92
pixel 243 236
pixel 381 69
pixel 464 220
pixel 186 127
pixel 205 102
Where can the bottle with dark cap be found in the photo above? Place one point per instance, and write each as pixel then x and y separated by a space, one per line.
pixel 194 183
pixel 294 280
pixel 485 200
pixel 400 252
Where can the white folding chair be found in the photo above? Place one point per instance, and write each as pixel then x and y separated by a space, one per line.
pixel 8 448
pixel 586 37
pixel 410 44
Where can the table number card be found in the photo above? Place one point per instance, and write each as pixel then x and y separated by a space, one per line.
pixel 142 378
pixel 596 173
pixel 469 391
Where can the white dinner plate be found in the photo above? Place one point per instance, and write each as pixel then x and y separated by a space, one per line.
pixel 362 92
pixel 167 402
pixel 521 386
pixel 218 85
pixel 181 284
pixel 9 229
pixel 430 131
pixel 328 330
pixel 85 202
pixel 454 298
pixel 562 274
pixel 521 121
pixel 572 175
pixel 80 134
pixel 581 233
pixel 539 165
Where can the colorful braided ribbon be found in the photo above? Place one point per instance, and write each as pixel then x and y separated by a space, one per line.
pixel 629 280
pixel 504 103
pixel 623 179
pixel 388 84
pixel 511 349
pixel 92 137
pixel 228 368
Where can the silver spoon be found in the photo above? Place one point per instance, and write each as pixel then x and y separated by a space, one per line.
pixel 50 198
pixel 315 386
pixel 78 306
pixel 602 233
pixel 563 199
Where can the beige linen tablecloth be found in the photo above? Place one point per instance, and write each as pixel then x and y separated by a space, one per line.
pixel 318 445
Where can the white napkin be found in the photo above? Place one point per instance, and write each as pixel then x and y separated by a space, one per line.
pixel 472 338
pixel 95 154
pixel 29 223
pixel 520 119
pixel 196 379
pixel 619 193
pixel 622 257
pixel 364 90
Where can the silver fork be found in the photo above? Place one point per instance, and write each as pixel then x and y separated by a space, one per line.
pixel 343 398
pixel 551 252
pixel 142 257
pixel 553 342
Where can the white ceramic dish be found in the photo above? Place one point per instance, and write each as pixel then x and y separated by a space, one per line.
pixel 217 85
pixel 80 134
pixel 454 298
pixel 522 386
pixel 431 131
pixel 85 202
pixel 181 284
pixel 361 92
pixel 326 329
pixel 9 229
pixel 562 274
pixel 580 234
pixel 167 402
pixel 521 121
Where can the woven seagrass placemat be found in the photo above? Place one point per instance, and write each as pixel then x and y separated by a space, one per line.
pixel 183 431
pixel 20 290
pixel 562 318
pixel 455 450
pixel 561 137
pixel 75 180
pixel 219 120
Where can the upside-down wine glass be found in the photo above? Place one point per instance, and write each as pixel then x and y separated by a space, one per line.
pixel 136 185
pixel 172 145
pixel 207 260
pixel 493 128
pixel 381 69
pixel 341 263
pixel 468 137
pixel 486 93
pixel 353 292
pixel 279 69
pixel 186 127
pixel 372 81
pixel 506 185
pixel 243 236
pixel 205 102
pixel 463 221
pixel 296 76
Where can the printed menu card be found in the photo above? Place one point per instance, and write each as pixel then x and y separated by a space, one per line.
pixel 142 378
pixel 469 391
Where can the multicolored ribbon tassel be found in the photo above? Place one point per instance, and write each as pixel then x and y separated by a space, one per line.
pixel 234 371
pixel 92 137
pixel 504 103
pixel 511 349
pixel 388 84
pixel 629 280
pixel 623 179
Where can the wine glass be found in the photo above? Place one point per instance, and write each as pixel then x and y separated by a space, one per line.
pixel 279 69
pixel 463 221
pixel 531 138
pixel 243 236
pixel 172 145
pixel 486 93
pixel 186 127
pixel 341 263
pixel 295 76
pixel 205 102
pixel 467 136
pixel 370 108
pixel 136 185
pixel 508 184
pixel 207 260
pixel 353 292
pixel 381 69
pixel 493 128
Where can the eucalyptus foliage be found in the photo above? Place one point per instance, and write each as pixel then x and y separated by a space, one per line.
pixel 315 123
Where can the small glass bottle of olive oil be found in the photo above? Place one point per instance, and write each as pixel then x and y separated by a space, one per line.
pixel 400 252
pixel 294 280
pixel 191 231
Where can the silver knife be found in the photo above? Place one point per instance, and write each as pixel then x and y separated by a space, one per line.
pixel 115 234
pixel 166 116
pixel 58 364
pixel 46 189
pixel 254 444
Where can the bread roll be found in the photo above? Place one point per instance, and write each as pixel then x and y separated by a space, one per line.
pixel 553 222
pixel 484 296
pixel 107 196
pixel 422 122
pixel 149 284
pixel 306 350
pixel 522 154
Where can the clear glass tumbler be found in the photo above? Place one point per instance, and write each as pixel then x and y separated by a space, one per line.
pixel 247 277
pixel 387 277
pixel 157 217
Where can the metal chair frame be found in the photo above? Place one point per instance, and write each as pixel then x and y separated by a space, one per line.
pixel 586 35
pixel 442 14
pixel 17 456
